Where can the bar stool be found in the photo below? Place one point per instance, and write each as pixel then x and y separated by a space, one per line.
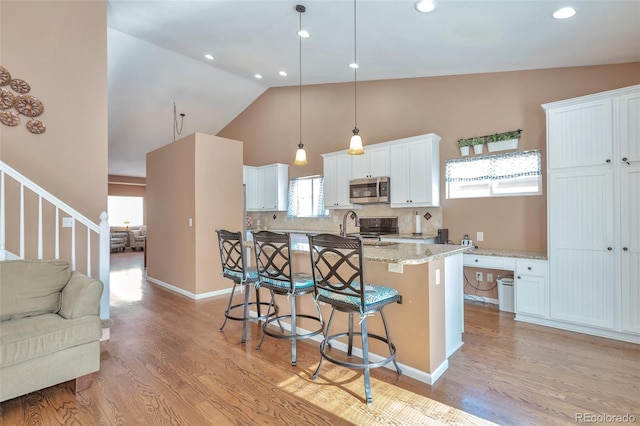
pixel 244 277
pixel 338 274
pixel 273 260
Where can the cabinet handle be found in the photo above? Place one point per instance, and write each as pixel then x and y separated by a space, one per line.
pixel 609 248
pixel 529 267
pixel 476 260
pixel 625 160
pixel 519 277
pixel 625 248
pixel 608 160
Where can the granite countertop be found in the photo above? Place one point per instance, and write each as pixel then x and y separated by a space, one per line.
pixel 403 253
pixel 410 236
pixel 522 254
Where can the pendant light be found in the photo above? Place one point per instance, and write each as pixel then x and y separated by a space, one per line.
pixel 355 145
pixel 301 155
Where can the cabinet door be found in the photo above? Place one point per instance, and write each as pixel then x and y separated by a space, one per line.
pixel 630 128
pixel 531 288
pixel 400 175
pixel 630 242
pixel 337 174
pixel 261 188
pixel 581 246
pixel 373 163
pixel 270 188
pixel 420 184
pixel 580 135
pixel 250 178
pixel 379 161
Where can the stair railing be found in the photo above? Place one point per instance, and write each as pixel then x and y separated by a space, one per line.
pixel 72 219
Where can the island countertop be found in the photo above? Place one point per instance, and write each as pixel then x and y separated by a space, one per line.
pixel 401 253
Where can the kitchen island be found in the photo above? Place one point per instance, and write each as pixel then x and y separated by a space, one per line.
pixel 427 325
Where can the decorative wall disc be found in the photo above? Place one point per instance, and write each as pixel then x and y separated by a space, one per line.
pixel 28 105
pixel 7 99
pixel 36 126
pixel 5 76
pixel 20 86
pixel 9 118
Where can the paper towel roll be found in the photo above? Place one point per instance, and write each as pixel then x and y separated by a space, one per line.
pixel 418 224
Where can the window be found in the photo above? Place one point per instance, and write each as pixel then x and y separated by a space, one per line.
pixel 125 211
pixel 500 175
pixel 306 197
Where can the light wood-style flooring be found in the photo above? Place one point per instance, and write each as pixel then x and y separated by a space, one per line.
pixel 167 363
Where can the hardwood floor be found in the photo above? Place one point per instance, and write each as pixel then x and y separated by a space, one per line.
pixel 168 363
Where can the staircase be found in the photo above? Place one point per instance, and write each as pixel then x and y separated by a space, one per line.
pixel 34 224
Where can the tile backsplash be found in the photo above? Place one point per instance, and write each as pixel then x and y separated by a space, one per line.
pixel 406 219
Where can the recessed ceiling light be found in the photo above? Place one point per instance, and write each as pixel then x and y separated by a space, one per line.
pixel 283 73
pixel 354 66
pixel 564 13
pixel 304 34
pixel 425 6
pixel 209 57
pixel 258 76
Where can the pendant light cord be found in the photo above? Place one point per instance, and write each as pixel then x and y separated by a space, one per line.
pixel 355 69
pixel 300 75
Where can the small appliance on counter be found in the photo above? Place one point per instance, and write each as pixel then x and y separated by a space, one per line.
pixel 466 241
pixel 443 236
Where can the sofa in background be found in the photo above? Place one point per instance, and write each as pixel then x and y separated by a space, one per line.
pixel 50 327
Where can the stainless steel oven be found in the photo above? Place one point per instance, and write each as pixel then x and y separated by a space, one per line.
pixel 369 190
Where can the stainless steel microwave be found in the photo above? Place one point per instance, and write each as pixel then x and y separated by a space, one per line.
pixel 369 190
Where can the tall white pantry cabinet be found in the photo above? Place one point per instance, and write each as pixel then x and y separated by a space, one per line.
pixel 593 190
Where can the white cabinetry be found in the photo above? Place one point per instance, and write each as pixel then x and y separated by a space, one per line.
pixel 531 288
pixel 415 171
pixel 373 163
pixel 250 180
pixel 593 146
pixel 337 173
pixel 266 187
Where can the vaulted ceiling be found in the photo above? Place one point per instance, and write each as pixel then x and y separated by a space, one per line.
pixel 156 53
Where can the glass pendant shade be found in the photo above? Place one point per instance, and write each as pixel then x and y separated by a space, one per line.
pixel 355 146
pixel 301 156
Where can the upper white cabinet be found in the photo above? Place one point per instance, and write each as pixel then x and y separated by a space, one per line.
pixel 337 173
pixel 373 163
pixel 415 171
pixel 582 134
pixel 630 127
pixel 266 187
pixel 593 145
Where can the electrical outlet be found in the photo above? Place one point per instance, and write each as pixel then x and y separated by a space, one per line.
pixel 479 236
pixel 395 267
pixel 489 278
pixel 67 222
pixel 478 276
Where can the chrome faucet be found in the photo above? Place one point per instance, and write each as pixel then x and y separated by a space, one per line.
pixel 343 231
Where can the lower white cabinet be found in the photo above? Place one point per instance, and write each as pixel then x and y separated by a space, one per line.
pixel 531 288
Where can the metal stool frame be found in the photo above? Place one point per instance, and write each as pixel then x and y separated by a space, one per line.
pixel 233 262
pixel 338 274
pixel 273 262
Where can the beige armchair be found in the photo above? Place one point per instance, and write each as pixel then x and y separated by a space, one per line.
pixel 138 238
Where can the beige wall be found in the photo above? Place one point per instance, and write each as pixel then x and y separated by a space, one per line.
pixel 198 177
pixel 453 107
pixel 219 204
pixel 60 49
pixel 171 201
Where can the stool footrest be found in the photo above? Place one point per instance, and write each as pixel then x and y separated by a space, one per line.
pixel 289 336
pixel 358 365
pixel 228 312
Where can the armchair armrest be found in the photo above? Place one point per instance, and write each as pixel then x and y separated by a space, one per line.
pixel 81 296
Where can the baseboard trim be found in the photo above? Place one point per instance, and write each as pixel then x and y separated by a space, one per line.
pixel 186 293
pixel 577 328
pixel 483 299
